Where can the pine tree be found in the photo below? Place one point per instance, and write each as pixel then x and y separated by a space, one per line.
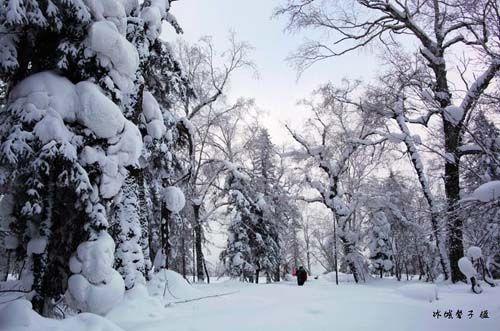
pixel 264 181
pixel 485 166
pixel 66 144
pixel 238 256
pixel 481 225
pixel 380 246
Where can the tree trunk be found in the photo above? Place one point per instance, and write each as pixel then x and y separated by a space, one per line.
pixel 206 271
pixel 183 260
pixel 194 257
pixel 348 250
pixel 198 231
pixel 452 190
pixel 335 257
pixel 165 240
pixel 7 267
pixel 145 224
pixel 424 184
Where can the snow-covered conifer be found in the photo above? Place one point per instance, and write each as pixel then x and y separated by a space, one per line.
pixel 380 245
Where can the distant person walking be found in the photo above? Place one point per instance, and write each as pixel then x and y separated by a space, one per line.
pixel 301 276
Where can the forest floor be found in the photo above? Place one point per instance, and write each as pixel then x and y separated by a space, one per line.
pixel 319 305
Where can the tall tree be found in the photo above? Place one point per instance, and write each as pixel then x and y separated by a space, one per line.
pixel 341 132
pixel 209 74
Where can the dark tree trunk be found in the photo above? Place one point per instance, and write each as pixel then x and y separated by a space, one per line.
pixel 206 271
pixel 7 267
pixel 198 238
pixel 194 256
pixel 452 190
pixel 183 260
pixel 348 249
pixel 165 240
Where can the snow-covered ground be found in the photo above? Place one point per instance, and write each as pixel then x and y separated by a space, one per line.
pixel 319 305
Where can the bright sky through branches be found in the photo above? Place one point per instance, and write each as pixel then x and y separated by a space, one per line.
pixel 276 90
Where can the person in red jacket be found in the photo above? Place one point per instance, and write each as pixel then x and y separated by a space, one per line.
pixel 301 276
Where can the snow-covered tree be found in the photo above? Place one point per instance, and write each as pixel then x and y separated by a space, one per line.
pixel 264 180
pixel 69 132
pixel 209 73
pixel 238 255
pixel 329 150
pixel 484 137
pixel 380 245
pixel 481 219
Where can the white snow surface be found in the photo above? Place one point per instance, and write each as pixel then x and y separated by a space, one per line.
pixel 379 304
pixel 343 278
pixel 474 252
pixel 466 267
pixel 152 116
pixel 487 192
pixel 454 114
pixel 95 286
pixel 425 292
pixel 98 112
pixel 36 245
pixel 18 316
pixel 177 287
pixel 174 199
pixel 110 10
pixel 114 52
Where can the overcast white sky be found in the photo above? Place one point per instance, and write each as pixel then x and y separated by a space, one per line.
pixel 276 91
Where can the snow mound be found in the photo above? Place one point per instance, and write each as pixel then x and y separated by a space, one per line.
pixel 111 11
pixel 425 292
pixel 174 199
pixel 474 252
pixel 487 192
pixel 95 286
pixel 138 301
pixel 343 278
pixel 177 287
pixel 152 116
pixel 466 267
pixel 114 52
pixel 19 316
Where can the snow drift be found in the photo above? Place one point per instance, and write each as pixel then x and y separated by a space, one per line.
pixel 426 292
pixel 19 316
pixel 173 285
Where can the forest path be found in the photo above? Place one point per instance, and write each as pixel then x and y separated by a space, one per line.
pixel 321 305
